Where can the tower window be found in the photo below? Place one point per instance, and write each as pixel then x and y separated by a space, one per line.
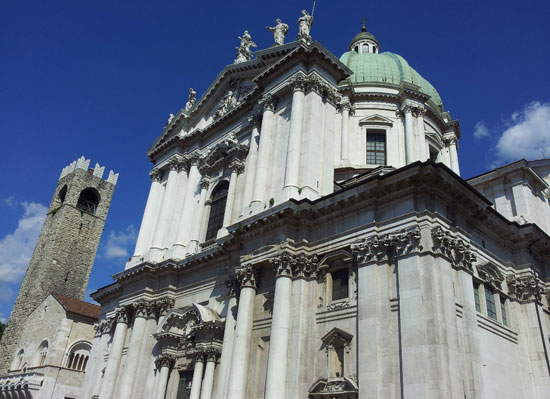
pixel 340 284
pixel 88 200
pixel 376 147
pixel 217 209
pixel 62 193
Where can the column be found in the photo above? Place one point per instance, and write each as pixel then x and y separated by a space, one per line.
pixel 423 153
pixel 236 168
pixel 111 371
pixel 166 213
pixel 409 135
pixel 134 350
pixel 264 154
pixel 292 173
pixel 92 379
pixel 197 224
pixel 183 234
pixel 227 347
pixel 243 333
pixel 450 140
pixel 164 363
pixel 179 204
pixel 149 216
pixel 344 146
pixel 251 162
pixel 280 329
pixel 197 377
pixel 208 380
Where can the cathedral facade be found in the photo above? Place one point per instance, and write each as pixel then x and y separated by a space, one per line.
pixel 307 234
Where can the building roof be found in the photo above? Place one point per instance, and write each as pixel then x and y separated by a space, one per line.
pixel 387 67
pixel 77 306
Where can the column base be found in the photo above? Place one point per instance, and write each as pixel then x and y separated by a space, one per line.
pixel 193 247
pixel 309 193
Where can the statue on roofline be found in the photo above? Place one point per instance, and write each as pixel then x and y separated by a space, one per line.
pixel 279 31
pixel 191 100
pixel 304 26
pixel 243 51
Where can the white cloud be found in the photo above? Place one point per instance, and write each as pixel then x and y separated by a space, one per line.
pixel 119 243
pixel 528 135
pixel 481 131
pixel 16 248
pixel 9 201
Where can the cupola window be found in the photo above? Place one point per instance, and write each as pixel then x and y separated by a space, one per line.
pixel 376 147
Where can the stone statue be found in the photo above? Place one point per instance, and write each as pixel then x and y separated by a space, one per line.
pixel 279 31
pixel 243 51
pixel 227 104
pixel 170 119
pixel 304 26
pixel 191 100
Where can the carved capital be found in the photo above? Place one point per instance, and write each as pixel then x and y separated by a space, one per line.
pixel 236 165
pixel 232 285
pixel 123 315
pixel 268 102
pixel 526 288
pixel 299 83
pixel 205 182
pixel 156 175
pixel 490 274
pixel 246 276
pixel 140 309
pixel 387 247
pixel 456 250
pixel 174 164
pixel 163 305
pixel 306 266
pixel 283 264
pixel 450 139
pixel 165 360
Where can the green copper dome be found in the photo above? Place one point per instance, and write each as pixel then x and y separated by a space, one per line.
pixel 386 67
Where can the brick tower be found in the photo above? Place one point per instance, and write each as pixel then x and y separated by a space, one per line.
pixel 64 254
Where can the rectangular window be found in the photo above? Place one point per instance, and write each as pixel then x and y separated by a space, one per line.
pixel 340 284
pixel 376 147
pixel 476 297
pixel 490 301
pixel 503 310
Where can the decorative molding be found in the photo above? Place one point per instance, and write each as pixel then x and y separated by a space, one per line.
pixel 489 273
pixel 306 266
pixel 455 249
pixel 336 338
pixel 387 247
pixel 525 288
pixel 222 155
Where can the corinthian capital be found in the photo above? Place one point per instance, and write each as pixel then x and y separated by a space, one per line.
pixel 306 266
pixel 450 138
pixel 156 175
pixel 525 288
pixel 284 264
pixel 387 247
pixel 123 315
pixel 246 276
pixel 456 250
pixel 299 83
pixel 268 102
pixel 236 166
pixel 165 360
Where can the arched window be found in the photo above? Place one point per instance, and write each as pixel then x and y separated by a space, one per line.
pixel 78 356
pixel 42 353
pixel 88 200
pixel 62 193
pixel 18 360
pixel 218 200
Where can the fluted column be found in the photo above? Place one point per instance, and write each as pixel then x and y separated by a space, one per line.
pixel 409 135
pixel 197 376
pixel 112 369
pixel 344 144
pixel 292 173
pixel 150 215
pixel 275 387
pixel 185 224
pixel 451 140
pixel 251 162
pixel 228 338
pixel 243 333
pixel 264 153
pixel 197 225
pixel 423 151
pixel 166 212
pixel 208 379
pixel 134 350
pixel 164 363
pixel 179 204
pixel 236 168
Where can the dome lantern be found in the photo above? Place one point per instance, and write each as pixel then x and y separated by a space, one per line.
pixel 364 42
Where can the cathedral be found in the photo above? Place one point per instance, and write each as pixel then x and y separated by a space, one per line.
pixel 307 235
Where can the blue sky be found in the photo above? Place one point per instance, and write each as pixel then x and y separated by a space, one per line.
pixel 99 78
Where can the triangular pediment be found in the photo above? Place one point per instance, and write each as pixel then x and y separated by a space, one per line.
pixel 376 119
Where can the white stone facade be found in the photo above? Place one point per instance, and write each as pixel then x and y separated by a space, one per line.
pixel 275 261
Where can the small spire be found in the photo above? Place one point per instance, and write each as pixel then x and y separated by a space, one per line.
pixel 363 25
